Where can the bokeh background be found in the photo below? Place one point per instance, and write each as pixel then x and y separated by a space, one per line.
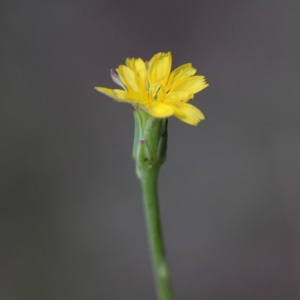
pixel 71 216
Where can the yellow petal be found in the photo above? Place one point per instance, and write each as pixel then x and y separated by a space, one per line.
pixel 118 95
pixel 192 84
pixel 137 66
pixel 127 76
pixel 186 70
pixel 159 69
pixel 180 73
pixel 189 114
pixel 130 63
pixel 181 96
pixel 160 110
pixel 140 68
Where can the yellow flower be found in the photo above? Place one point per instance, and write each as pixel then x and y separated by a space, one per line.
pixel 152 87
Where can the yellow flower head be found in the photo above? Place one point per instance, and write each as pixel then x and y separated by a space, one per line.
pixel 152 87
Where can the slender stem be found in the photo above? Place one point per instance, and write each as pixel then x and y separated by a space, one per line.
pixel 148 178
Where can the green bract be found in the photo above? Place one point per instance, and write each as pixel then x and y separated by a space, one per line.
pixel 150 140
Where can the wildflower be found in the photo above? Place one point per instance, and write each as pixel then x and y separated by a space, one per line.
pixel 152 87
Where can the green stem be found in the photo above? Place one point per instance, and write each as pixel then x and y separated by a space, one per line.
pixel 148 178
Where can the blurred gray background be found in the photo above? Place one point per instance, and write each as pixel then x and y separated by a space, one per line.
pixel 71 216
